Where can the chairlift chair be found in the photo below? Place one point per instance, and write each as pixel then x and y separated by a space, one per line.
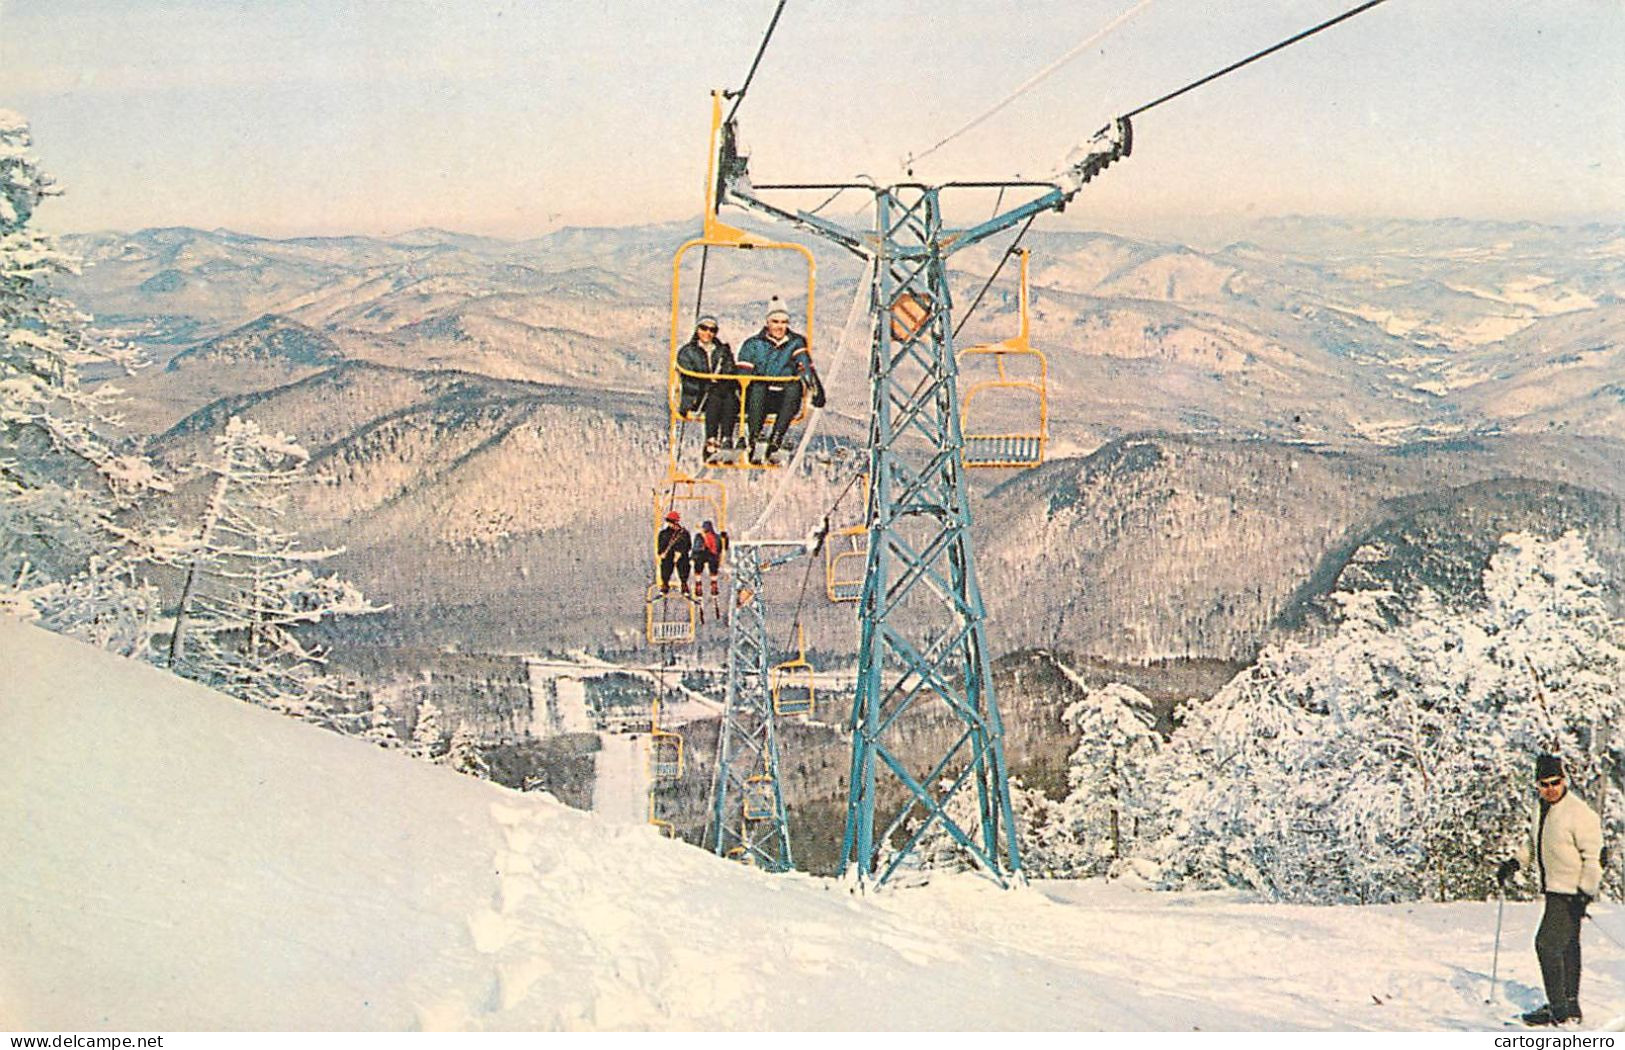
pixel 792 681
pixel 759 797
pixel 717 234
pixel 846 563
pixel 846 558
pixel 665 755
pixel 695 500
pixel 1018 389
pixel 670 616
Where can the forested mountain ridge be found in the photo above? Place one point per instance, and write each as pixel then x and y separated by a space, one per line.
pixel 1233 429
pixel 1163 546
pixel 459 500
pixel 1315 329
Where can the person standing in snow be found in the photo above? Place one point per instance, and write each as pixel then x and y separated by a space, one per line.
pixel 705 354
pixel 781 357
pixel 707 554
pixel 1567 850
pixel 672 546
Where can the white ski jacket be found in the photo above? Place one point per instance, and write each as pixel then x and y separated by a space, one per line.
pixel 1568 847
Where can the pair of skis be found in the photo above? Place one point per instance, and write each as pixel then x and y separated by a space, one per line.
pixel 716 606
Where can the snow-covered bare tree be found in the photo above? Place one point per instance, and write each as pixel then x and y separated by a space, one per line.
pixel 1223 777
pixel 1048 849
pixel 1390 762
pixel 1557 670
pixel 64 556
pixel 1106 774
pixel 249 587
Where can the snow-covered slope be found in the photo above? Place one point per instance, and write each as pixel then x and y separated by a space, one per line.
pixel 176 860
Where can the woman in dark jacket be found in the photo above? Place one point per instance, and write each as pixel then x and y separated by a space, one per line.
pixel 706 354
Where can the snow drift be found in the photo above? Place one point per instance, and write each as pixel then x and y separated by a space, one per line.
pixel 177 860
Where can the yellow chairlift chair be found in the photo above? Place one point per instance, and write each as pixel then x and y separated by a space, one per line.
pixel 1016 390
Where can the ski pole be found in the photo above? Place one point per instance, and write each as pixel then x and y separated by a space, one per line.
pixel 1604 930
pixel 1495 965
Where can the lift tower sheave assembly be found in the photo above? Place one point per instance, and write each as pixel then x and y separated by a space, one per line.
pixel 923 637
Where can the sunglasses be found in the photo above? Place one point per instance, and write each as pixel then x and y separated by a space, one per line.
pixel 708 328
pixel 1549 782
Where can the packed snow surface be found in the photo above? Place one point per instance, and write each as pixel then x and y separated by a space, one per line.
pixel 177 860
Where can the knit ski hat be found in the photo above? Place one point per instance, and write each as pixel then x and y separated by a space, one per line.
pixel 706 526
pixel 673 516
pixel 1548 766
pixel 775 308
pixel 705 319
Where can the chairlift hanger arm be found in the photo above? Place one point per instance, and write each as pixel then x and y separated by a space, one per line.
pixel 787 551
pixel 842 236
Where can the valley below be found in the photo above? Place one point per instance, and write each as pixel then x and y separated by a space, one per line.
pixel 1236 433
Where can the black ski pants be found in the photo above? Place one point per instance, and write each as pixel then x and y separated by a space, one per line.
pixel 1557 945
pixel 703 560
pixel 782 399
pixel 717 400
pixel 677 560
pixel 721 411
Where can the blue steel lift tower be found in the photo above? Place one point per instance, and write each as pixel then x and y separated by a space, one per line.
pixel 747 802
pixel 923 640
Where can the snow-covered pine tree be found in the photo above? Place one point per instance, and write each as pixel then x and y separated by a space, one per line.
pixel 64 557
pixel 465 756
pixel 428 733
pixel 249 586
pixel 1106 775
pixel 381 725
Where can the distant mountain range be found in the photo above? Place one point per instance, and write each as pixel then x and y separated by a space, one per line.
pixel 1234 431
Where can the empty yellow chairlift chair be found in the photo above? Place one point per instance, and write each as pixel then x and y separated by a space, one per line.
pixel 665 766
pixel 665 755
pixel 792 682
pixel 670 617
pixel 846 558
pixel 717 234
pixel 846 561
pixel 757 797
pixel 1004 417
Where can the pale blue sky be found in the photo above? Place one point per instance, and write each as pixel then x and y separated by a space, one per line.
pixel 513 118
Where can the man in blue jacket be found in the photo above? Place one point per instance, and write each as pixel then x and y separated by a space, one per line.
pixel 780 360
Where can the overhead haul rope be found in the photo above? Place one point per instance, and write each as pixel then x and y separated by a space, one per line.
pixel 857 316
pixel 739 96
pixel 1037 78
pixel 705 250
pixel 1255 57
pixel 1080 48
pixel 1170 96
